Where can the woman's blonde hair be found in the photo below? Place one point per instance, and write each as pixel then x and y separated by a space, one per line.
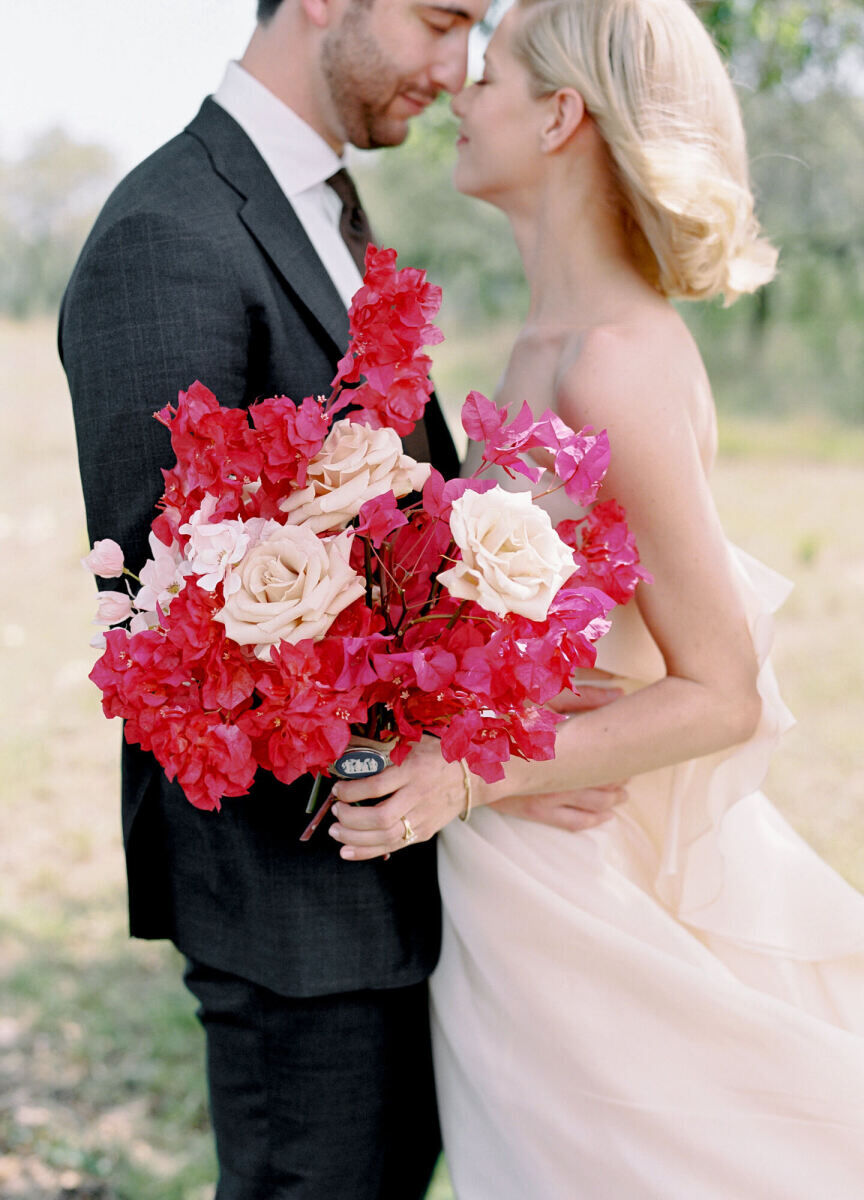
pixel 660 96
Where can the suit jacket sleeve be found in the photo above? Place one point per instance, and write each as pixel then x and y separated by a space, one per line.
pixel 152 306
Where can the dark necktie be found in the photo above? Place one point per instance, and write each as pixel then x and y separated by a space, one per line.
pixel 353 224
pixel 357 234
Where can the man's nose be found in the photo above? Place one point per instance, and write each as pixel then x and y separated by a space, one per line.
pixel 449 69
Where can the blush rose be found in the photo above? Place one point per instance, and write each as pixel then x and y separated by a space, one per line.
pixel 354 465
pixel 513 561
pixel 289 587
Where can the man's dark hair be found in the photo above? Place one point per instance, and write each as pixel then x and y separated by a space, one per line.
pixel 266 9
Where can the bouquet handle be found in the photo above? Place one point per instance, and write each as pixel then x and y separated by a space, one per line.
pixel 361 758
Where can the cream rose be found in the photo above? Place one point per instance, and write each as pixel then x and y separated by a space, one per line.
pixel 291 587
pixel 354 465
pixel 513 561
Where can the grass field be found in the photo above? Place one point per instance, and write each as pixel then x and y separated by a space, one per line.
pixel 101 1086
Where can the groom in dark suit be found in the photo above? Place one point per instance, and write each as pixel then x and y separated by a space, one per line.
pixel 229 256
pixel 220 258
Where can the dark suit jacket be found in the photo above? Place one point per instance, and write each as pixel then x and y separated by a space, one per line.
pixel 198 268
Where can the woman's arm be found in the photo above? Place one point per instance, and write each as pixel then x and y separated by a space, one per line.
pixel 638 390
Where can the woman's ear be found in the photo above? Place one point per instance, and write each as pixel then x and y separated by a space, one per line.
pixel 565 113
pixel 317 12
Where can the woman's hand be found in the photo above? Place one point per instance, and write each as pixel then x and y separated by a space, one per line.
pixel 423 795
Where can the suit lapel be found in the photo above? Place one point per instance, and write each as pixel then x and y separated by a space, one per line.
pixel 283 239
pixel 270 218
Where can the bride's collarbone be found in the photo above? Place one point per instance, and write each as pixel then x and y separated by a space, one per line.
pixel 534 371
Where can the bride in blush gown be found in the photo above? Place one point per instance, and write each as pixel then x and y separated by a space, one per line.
pixel 668 1005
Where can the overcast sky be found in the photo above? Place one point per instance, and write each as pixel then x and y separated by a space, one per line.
pixel 126 73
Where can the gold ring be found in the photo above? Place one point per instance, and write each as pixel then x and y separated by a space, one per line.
pixel 409 835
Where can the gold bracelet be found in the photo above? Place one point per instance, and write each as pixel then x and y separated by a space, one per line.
pixel 466 811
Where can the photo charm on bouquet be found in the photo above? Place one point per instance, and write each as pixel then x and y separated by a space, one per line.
pixel 293 609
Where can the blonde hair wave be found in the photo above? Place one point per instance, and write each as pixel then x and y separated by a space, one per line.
pixel 663 102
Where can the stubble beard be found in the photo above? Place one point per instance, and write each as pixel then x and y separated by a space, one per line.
pixel 362 83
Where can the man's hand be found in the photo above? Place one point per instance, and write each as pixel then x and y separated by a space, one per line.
pixel 574 811
pixel 591 689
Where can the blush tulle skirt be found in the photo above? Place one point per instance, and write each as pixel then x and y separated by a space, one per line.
pixel 670 1007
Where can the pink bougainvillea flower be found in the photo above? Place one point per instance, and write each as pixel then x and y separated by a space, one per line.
pixel 581 459
pixel 162 577
pixel 391 652
pixel 380 517
pixel 504 445
pixel 112 608
pixel 105 559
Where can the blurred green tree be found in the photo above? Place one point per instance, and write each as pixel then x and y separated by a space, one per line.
pixel 798 345
pixel 48 201
pixel 798 67
pixel 773 43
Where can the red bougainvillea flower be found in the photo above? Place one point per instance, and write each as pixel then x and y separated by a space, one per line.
pixel 391 320
pixel 292 436
pixel 606 553
pixel 305 735
pixel 216 451
pixel 404 657
pixel 401 406
pixel 209 758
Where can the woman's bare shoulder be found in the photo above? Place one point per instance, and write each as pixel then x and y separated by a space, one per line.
pixel 642 370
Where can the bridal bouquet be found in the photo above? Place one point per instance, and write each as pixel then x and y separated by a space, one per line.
pixel 290 603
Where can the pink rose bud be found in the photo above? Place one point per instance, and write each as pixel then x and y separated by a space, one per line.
pixel 105 559
pixel 112 608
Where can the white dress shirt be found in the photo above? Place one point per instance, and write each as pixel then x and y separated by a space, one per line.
pixel 301 161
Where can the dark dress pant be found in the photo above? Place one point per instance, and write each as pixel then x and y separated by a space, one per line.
pixel 328 1098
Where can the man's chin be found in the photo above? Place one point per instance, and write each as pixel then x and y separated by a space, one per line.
pixel 389 131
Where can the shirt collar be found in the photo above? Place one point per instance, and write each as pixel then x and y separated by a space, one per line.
pixel 298 156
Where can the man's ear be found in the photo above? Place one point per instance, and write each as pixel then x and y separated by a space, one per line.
pixel 565 113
